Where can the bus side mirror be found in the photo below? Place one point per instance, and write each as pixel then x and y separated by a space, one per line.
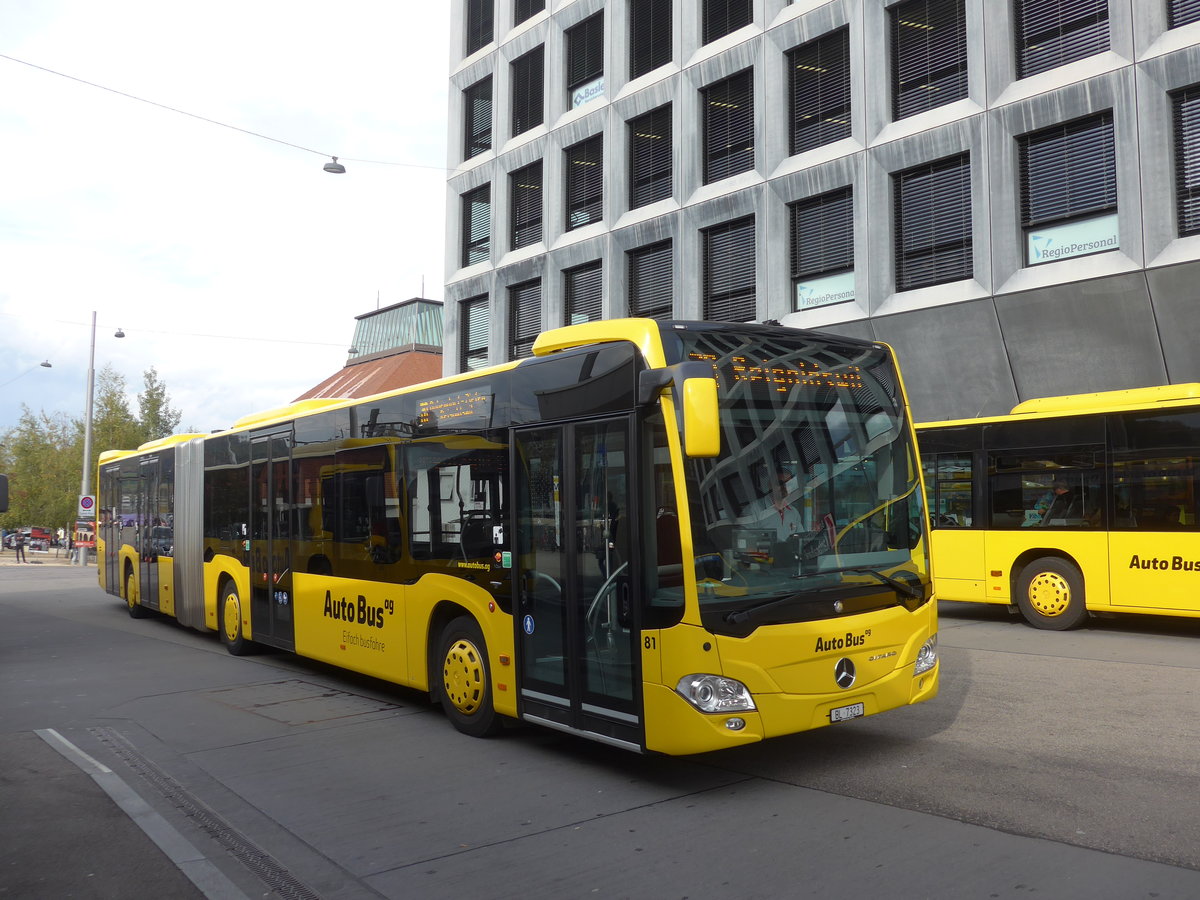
pixel 696 395
pixel 3 493
pixel 701 428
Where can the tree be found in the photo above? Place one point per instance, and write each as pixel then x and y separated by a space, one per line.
pixel 113 425
pixel 43 455
pixel 157 418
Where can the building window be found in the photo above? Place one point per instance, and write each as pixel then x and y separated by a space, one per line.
pixel 650 279
pixel 649 36
pixel 477 118
pixel 729 126
pixel 1187 159
pixel 473 333
pixel 1054 34
pixel 583 290
pixel 929 55
pixel 729 271
pixel 1069 189
pixel 525 199
pixel 823 250
pixel 585 182
pixel 527 91
pixel 650 157
pixel 1181 12
pixel 933 223
pixel 476 224
pixel 479 24
pixel 724 16
pixel 526 9
pixel 525 317
pixel 585 61
pixel 820 91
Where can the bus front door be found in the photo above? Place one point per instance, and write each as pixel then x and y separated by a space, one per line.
pixel 270 540
pixel 575 619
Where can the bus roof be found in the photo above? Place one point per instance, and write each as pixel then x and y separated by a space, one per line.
pixel 1097 402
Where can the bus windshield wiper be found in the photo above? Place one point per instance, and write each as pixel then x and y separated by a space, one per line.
pixel 900 587
pixel 821 592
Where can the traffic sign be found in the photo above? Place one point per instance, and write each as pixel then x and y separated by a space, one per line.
pixel 87 506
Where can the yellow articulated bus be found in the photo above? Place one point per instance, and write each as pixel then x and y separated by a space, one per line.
pixel 1070 505
pixel 670 537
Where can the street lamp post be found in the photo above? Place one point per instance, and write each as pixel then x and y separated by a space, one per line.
pixel 85 487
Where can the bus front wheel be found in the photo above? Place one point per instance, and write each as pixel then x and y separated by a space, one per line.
pixel 466 690
pixel 136 610
pixel 232 636
pixel 1050 594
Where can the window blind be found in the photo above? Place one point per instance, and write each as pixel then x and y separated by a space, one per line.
pixel 1051 33
pixel 929 55
pixel 728 126
pixel 585 182
pixel 729 271
pixel 1186 105
pixel 823 234
pixel 583 291
pixel 933 223
pixel 650 279
pixel 479 24
pixel 477 115
pixel 527 91
pixel 476 224
pixel 720 17
pixel 525 317
pixel 1068 171
pixel 473 333
pixel 650 157
pixel 649 36
pixel 820 91
pixel 525 200
pixel 585 51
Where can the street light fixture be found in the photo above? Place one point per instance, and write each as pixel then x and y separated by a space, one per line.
pixel 86 484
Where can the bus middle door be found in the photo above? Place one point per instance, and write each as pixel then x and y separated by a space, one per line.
pixel 575 620
pixel 147 518
pixel 271 539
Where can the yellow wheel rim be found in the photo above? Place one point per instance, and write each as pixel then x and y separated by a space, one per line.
pixel 131 591
pixel 233 617
pixel 462 676
pixel 1049 594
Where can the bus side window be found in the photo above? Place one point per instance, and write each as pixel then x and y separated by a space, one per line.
pixel 953 504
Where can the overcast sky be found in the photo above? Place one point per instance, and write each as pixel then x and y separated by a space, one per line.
pixel 234 264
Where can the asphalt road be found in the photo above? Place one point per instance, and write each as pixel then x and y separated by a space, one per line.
pixel 1050 764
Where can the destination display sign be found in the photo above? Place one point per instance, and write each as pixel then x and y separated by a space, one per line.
pixel 781 377
pixel 455 411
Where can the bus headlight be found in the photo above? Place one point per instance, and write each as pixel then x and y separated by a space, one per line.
pixel 926 657
pixel 714 694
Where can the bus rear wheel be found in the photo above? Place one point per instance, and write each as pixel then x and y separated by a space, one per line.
pixel 232 636
pixel 136 610
pixel 1050 594
pixel 466 689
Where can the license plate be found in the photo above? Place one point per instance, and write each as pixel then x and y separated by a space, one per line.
pixel 842 713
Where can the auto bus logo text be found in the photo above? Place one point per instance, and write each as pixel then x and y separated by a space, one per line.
pixel 360 613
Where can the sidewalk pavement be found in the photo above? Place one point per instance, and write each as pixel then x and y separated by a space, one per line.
pixel 42 558
pixel 71 832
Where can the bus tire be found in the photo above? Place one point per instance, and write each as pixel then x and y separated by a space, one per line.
pixel 1050 594
pixel 136 610
pixel 465 685
pixel 232 636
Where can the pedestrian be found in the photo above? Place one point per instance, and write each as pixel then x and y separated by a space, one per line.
pixel 19 546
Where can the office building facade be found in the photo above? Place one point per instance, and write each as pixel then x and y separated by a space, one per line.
pixel 1006 191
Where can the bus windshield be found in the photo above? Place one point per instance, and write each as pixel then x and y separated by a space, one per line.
pixel 813 508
